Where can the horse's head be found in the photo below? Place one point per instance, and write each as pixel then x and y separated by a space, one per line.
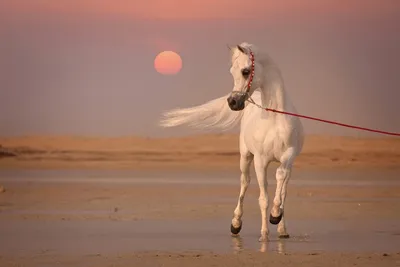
pixel 244 71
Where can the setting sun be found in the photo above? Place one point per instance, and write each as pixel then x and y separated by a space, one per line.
pixel 168 63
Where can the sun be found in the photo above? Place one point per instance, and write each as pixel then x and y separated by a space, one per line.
pixel 168 63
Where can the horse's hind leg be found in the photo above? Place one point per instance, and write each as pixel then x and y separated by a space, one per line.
pixel 282 225
pixel 282 178
pixel 245 161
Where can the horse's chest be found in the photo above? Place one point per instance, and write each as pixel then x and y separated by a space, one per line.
pixel 262 138
pixel 261 130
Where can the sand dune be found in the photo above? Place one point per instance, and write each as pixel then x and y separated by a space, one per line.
pixel 214 151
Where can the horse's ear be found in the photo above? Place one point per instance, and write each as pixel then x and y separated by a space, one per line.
pixel 241 49
pixel 231 49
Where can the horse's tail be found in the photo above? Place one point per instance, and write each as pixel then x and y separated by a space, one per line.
pixel 213 114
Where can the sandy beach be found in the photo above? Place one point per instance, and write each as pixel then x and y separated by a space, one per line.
pixel 218 151
pixel 75 201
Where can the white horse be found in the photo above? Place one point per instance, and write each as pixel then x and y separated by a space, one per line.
pixel 264 136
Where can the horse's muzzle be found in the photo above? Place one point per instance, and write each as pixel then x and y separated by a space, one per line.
pixel 236 102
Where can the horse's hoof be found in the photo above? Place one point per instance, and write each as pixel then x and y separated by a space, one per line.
pixel 275 220
pixel 235 230
pixel 286 236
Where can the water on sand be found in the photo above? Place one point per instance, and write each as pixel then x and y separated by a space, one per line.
pixel 108 236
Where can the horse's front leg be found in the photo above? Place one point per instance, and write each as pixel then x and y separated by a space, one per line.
pixel 245 161
pixel 260 165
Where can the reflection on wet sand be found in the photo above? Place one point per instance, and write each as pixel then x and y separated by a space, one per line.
pixel 279 245
pixel 237 244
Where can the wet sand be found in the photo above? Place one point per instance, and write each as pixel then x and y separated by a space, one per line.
pixel 141 218
pixel 76 201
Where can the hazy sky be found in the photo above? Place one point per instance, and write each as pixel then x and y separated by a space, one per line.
pixel 85 67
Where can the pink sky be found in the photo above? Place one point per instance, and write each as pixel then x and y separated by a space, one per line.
pixel 86 66
pixel 202 9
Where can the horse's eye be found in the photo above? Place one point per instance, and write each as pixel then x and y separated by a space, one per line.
pixel 245 72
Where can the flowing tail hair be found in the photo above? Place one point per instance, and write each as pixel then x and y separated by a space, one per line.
pixel 213 114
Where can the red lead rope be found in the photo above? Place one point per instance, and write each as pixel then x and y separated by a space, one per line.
pixel 333 122
pixel 308 117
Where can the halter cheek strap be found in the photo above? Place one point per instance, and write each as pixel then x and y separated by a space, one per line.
pixel 249 99
pixel 251 72
pixel 249 83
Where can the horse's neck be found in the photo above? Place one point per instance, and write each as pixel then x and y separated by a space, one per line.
pixel 273 93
